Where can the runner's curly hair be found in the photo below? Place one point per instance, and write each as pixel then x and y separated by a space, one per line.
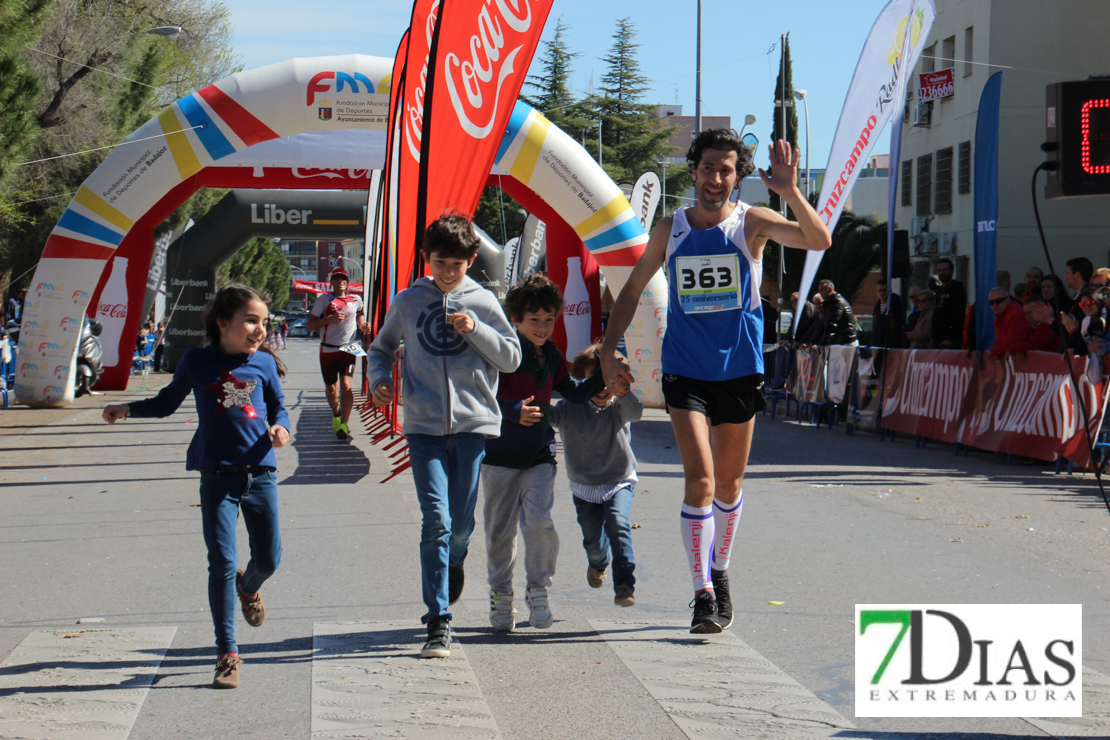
pixel 723 139
pixel 533 294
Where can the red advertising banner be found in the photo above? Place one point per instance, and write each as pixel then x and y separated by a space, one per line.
pixel 1023 406
pixel 1028 407
pixel 923 391
pixel 936 85
pixel 306 286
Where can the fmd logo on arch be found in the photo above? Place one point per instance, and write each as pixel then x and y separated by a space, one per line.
pixel 969 660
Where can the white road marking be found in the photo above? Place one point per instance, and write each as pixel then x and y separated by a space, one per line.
pixel 716 685
pixel 368 681
pixel 1095 721
pixel 80 684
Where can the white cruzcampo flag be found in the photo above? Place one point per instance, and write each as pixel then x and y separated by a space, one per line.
pixel 877 89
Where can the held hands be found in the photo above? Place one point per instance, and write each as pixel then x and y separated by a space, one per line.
pixel 279 435
pixel 383 393
pixel 617 376
pixel 462 322
pixel 114 413
pixel 529 415
pixel 784 168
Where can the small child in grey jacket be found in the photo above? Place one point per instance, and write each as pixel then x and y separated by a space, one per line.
pixel 602 471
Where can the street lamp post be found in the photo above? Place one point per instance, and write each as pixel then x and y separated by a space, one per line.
pixel 801 95
pixel 354 262
pixel 748 121
pixel 663 165
pixel 599 155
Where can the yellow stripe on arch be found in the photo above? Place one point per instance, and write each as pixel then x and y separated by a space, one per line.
pixel 529 154
pixel 101 208
pixel 612 209
pixel 183 155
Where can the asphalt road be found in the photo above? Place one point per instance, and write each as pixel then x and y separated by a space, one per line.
pixel 102 522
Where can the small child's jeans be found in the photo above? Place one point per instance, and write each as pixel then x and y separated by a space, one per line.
pixel 604 525
pixel 224 491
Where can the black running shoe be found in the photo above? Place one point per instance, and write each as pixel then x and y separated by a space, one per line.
pixel 705 614
pixel 724 600
pixel 439 639
pixel 456 579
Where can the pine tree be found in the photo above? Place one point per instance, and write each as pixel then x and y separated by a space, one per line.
pixel 791 111
pixel 20 24
pixel 633 138
pixel 260 264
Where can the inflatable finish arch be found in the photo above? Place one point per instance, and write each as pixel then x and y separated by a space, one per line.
pixel 160 165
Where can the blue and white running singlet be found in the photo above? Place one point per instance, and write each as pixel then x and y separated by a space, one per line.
pixel 714 316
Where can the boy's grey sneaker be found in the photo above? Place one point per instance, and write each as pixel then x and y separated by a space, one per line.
pixel 539 613
pixel 439 639
pixel 724 599
pixel 596 578
pixel 456 579
pixel 623 596
pixel 502 615
pixel 705 614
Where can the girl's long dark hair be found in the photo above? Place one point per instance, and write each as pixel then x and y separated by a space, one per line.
pixel 229 299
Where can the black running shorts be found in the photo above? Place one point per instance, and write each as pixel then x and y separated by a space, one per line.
pixel 334 364
pixel 733 401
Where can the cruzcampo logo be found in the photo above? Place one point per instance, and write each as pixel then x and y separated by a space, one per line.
pixel 900 33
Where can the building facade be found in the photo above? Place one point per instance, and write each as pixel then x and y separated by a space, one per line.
pixel 1034 44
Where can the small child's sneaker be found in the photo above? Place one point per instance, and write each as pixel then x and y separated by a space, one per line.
pixel 254 611
pixel 227 671
pixel 623 595
pixel 594 577
pixel 539 614
pixel 502 615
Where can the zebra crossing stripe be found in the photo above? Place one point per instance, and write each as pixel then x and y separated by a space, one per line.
pixel 369 681
pixel 716 685
pixel 1095 721
pixel 81 683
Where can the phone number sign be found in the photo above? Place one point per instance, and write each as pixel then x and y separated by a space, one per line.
pixel 934 85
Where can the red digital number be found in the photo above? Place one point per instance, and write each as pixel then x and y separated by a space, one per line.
pixel 1100 136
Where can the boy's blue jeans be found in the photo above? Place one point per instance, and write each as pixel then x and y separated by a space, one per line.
pixel 445 470
pixel 604 525
pixel 224 491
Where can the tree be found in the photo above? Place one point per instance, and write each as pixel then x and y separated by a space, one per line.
pixel 260 264
pixel 791 135
pixel 20 24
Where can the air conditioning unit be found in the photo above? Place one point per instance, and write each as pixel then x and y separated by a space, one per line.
pixel 918 243
pixel 947 243
pixel 923 114
pixel 919 225
pixel 929 243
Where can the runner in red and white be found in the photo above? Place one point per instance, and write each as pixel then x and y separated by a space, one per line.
pixel 340 315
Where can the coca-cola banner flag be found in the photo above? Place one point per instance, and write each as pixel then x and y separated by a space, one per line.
pixel 645 198
pixel 1027 406
pixel 889 54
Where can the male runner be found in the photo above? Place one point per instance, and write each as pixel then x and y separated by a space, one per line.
pixel 712 351
pixel 340 316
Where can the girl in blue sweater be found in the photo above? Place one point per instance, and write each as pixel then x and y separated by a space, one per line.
pixel 241 419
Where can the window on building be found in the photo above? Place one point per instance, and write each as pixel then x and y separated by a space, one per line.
pixel 969 38
pixel 965 167
pixel 928 59
pixel 948 52
pixel 963 269
pixel 944 181
pixel 907 182
pixel 924 185
pixel 921 272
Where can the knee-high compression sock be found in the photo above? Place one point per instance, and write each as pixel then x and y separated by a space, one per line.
pixel 697 535
pixel 726 519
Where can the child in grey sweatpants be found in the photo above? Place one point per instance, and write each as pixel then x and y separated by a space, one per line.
pixel 602 471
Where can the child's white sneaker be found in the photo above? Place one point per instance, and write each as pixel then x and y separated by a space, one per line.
pixel 502 615
pixel 539 613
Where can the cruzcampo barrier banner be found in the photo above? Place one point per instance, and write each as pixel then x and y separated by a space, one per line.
pixel 923 391
pixel 889 55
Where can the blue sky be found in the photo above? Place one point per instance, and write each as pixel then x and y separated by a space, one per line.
pixel 738 76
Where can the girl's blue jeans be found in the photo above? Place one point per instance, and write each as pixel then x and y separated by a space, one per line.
pixel 606 525
pixel 224 491
pixel 445 470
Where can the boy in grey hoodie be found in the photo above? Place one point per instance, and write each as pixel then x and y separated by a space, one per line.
pixel 456 339
pixel 601 467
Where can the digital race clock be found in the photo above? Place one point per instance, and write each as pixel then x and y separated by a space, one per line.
pixel 1077 119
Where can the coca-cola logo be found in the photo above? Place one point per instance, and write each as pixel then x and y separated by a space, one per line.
pixel 117 311
pixel 481 77
pixel 303 173
pixel 582 308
